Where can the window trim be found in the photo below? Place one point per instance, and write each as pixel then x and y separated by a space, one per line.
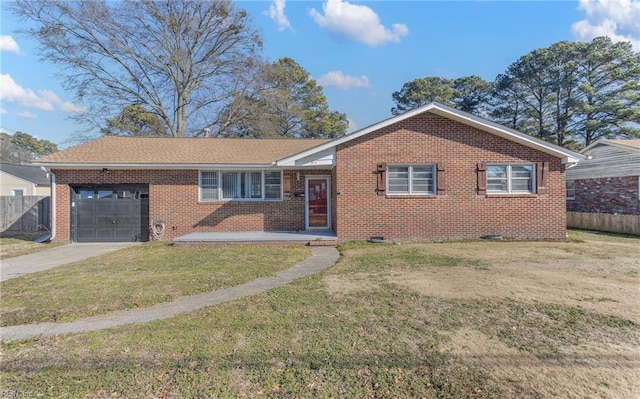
pixel 567 196
pixel 410 166
pixel 13 190
pixel 509 179
pixel 237 172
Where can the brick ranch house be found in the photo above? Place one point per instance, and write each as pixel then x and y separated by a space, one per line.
pixel 432 173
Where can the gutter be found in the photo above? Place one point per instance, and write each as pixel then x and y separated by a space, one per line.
pixel 53 202
pixel 145 166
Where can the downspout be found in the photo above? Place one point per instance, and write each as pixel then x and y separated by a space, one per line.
pixel 53 203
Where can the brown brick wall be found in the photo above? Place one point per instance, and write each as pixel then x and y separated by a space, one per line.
pixel 173 198
pixel 460 212
pixel 358 212
pixel 606 195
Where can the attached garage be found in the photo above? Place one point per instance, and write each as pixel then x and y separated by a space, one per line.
pixel 110 213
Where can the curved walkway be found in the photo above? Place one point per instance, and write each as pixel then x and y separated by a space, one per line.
pixel 321 259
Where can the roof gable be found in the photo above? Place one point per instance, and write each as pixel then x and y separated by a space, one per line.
pixel 567 156
pixel 632 145
pixel 31 174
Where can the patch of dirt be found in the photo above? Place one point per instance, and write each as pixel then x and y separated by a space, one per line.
pixel 597 276
pixel 338 285
pixel 600 277
pixel 593 371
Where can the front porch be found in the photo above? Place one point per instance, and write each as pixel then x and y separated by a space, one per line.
pixel 310 237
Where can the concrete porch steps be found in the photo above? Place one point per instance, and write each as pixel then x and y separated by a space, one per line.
pixel 314 238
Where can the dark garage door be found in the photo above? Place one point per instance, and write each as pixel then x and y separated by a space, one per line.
pixel 110 214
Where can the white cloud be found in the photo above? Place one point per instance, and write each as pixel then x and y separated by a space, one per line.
pixel 276 13
pixel 27 115
pixel 342 81
pixel 8 44
pixel 617 19
pixel 45 100
pixel 14 93
pixel 72 108
pixel 357 22
pixel 3 111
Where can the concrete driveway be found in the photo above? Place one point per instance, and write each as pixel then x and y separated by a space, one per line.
pixel 58 256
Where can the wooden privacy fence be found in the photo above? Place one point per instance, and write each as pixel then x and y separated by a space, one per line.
pixel 24 213
pixel 624 224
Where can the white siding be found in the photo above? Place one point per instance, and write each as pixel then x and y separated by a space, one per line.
pixel 322 158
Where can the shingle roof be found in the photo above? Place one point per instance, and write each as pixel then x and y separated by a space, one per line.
pixel 178 151
pixel 30 173
pixel 635 143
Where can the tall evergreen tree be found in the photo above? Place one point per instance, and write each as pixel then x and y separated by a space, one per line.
pixel 468 93
pixel 608 104
pixel 572 93
pixel 285 102
pixel 22 147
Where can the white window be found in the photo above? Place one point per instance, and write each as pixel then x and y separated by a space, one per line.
pixel 510 178
pixel 17 192
pixel 411 179
pixel 571 190
pixel 273 185
pixel 208 186
pixel 224 185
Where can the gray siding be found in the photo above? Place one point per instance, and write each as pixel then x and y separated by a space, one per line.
pixel 607 161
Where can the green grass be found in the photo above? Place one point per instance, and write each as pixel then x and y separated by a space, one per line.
pixel 137 277
pixel 305 341
pixel 296 341
pixel 17 243
pixel 367 257
pixel 292 342
pixel 581 235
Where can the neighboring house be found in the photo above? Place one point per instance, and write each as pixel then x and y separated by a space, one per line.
pixel 23 180
pixel 432 173
pixel 608 181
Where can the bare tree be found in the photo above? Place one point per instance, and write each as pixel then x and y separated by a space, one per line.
pixel 181 60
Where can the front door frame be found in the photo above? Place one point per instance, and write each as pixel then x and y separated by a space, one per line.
pixel 327 178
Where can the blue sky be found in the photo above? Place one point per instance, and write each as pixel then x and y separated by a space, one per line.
pixel 360 52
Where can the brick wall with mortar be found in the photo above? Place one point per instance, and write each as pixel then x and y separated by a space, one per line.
pixel 173 198
pixel 460 212
pixel 606 195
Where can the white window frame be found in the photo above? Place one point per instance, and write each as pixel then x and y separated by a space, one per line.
pixel 510 178
pixel 249 172
pixel 14 189
pixel 411 179
pixel 570 197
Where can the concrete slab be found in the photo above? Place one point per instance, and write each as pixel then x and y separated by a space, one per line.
pixel 258 236
pixel 57 256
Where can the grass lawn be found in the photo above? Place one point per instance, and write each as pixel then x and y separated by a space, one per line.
pixel 137 277
pixel 452 320
pixel 16 243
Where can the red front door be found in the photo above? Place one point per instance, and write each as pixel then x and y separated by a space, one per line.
pixel 318 202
